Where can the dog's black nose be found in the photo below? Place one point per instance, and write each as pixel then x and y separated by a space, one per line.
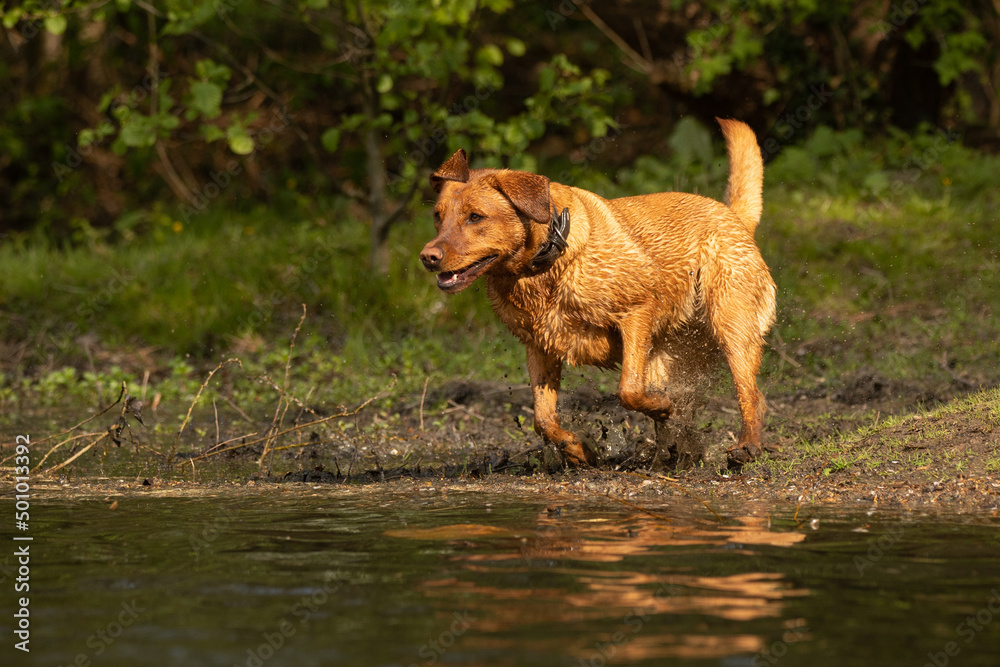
pixel 431 257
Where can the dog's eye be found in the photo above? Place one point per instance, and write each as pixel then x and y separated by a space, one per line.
pixel 437 216
pixel 475 217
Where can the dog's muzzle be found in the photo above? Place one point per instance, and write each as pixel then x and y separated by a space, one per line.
pixel 431 257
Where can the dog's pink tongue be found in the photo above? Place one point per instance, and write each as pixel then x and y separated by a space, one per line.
pixel 447 278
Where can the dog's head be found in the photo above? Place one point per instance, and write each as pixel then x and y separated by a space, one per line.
pixel 484 220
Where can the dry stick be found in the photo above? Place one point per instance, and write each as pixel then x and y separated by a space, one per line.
pixel 272 441
pixel 276 422
pixel 293 446
pixel 75 456
pixel 422 396
pixel 943 363
pixel 187 418
pixel 700 500
pixel 303 408
pixel 151 450
pixel 215 408
pixel 238 409
pixel 214 447
pixel 795 517
pixel 284 394
pixel 632 57
pixel 463 408
pixel 306 425
pixel 291 346
pixel 781 350
pixel 89 419
pixel 57 446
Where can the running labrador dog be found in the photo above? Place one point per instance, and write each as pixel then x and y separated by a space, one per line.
pixel 654 284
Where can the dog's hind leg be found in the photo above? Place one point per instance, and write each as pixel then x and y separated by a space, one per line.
pixel 545 372
pixel 752 409
pixel 739 319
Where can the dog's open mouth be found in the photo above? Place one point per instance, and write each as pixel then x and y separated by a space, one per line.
pixel 456 281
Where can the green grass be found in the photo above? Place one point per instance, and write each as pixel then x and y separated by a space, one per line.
pixel 903 279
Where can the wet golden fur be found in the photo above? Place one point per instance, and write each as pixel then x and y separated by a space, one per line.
pixel 654 284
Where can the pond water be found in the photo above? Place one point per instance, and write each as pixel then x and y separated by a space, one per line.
pixel 476 579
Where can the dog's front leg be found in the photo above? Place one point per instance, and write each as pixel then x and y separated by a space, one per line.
pixel 545 371
pixel 633 391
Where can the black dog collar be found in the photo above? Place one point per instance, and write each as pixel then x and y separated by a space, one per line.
pixel 554 245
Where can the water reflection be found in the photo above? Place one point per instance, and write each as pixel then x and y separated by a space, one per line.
pixel 488 579
pixel 633 609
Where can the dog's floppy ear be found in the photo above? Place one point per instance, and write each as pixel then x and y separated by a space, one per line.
pixel 529 193
pixel 455 168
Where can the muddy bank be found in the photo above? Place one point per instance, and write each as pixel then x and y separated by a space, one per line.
pixel 903 451
pixel 900 452
pixel 805 492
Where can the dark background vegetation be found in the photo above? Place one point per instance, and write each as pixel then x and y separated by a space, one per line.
pixel 113 107
pixel 179 177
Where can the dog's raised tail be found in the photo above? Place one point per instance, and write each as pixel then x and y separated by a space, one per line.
pixel 746 172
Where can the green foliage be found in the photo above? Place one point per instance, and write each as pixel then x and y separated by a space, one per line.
pixel 853 263
pixel 740 36
pixel 404 45
pixel 199 83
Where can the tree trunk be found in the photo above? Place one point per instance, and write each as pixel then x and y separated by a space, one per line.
pixel 377 184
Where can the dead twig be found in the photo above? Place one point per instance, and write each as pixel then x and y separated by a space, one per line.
pixel 283 403
pixel 422 397
pixel 632 57
pixel 60 444
pixel 943 363
pixel 85 421
pixel 781 349
pixel 216 446
pixel 75 456
pixel 465 409
pixel 187 417
pixel 215 409
pixel 317 422
pixel 237 408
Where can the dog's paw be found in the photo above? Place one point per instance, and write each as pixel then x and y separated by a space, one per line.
pixel 739 456
pixel 579 455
